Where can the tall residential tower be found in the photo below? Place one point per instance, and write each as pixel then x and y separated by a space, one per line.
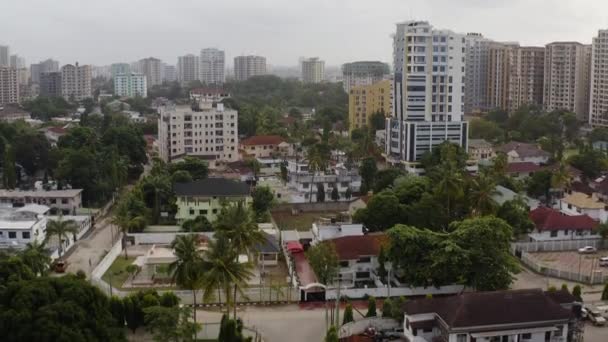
pixel 212 66
pixel 598 101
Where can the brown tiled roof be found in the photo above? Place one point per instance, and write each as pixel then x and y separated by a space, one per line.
pixel 523 167
pixel 353 247
pixel 263 140
pixel 523 149
pixel 550 219
pixel 491 308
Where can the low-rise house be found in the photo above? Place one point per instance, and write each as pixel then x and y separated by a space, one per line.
pixel 268 251
pixel 206 197
pixel 552 224
pixel 20 226
pixel 64 202
pixel 327 230
pixel 518 152
pixel 10 113
pixel 265 146
pixel 509 316
pixel 53 134
pixel 522 170
pixel 270 166
pixel 577 203
pixel 305 183
pixel 479 149
pixel 358 257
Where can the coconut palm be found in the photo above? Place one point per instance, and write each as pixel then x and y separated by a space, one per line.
pixel 61 229
pixel 560 178
pixel 162 187
pixel 483 191
pixel 188 270
pixel 224 272
pixel 450 185
pixel 236 222
pixel 36 256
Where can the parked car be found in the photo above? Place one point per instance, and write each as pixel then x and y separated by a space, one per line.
pixel 587 250
pixel 604 261
pixel 595 316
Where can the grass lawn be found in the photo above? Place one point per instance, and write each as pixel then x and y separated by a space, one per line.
pixel 570 152
pixel 118 271
pixel 303 221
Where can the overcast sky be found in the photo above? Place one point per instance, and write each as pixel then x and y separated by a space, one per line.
pixel 107 31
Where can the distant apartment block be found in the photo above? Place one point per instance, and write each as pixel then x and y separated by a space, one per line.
pixel 205 130
pixel 169 73
pixel 36 70
pixel 363 74
pixel 130 85
pixel 477 52
pixel 313 70
pixel 365 101
pixel 527 77
pixel 249 66
pixel 152 68
pixel 212 66
pixel 120 69
pixel 76 82
pixel 566 84
pixel 9 86
pixel 50 84
pixel 500 63
pixel 598 101
pixel 5 56
pixel 188 69
pixel 17 62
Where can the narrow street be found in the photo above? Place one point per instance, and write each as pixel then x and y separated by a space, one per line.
pixel 89 251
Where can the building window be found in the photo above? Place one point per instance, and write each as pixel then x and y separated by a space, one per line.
pixel 202 212
pixel 554 233
pixel 191 211
pixel 526 336
pixel 25 235
pixel 461 338
pixel 214 211
pixel 12 235
pixel 344 263
pixel 364 260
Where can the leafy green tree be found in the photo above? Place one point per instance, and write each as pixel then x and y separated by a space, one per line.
pixel 410 189
pixel 117 309
pixel 332 334
pixel 591 162
pixel 237 223
pixel 384 179
pixel 168 324
pixel 565 288
pixel 169 299
pixel 577 293
pixel 263 199
pixel 9 174
pixel 516 213
pixel 187 270
pixel 132 309
pixel 61 229
pixel 324 261
pixel 231 330
pixel 198 224
pixel 318 158
pixel 320 193
pixel 382 212
pixel 367 170
pixel 348 194
pixel 348 314
pixel 335 195
pixel 181 176
pixel 378 120
pixel 13 269
pixel 605 293
pixel 371 307
pixel 539 184
pixel 197 168
pixel 484 129
pixel 36 257
pixel 387 308
pixel 482 195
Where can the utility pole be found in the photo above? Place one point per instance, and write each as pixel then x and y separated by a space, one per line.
pixel 338 304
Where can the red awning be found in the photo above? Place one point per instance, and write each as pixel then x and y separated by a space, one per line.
pixel 294 247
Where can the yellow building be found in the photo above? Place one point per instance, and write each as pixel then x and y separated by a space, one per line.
pixel 364 101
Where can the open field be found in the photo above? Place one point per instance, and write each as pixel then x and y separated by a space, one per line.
pixel 285 220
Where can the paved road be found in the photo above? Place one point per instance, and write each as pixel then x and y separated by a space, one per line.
pixel 89 251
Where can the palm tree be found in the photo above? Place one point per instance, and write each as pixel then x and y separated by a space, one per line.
pixel 236 222
pixel 162 187
pixel 61 229
pixel 500 165
pixel 450 185
pixel 224 271
pixel 318 157
pixel 560 178
pixel 36 256
pixel 188 270
pixel 483 190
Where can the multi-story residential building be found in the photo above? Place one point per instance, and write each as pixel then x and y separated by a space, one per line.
pixel 476 75
pixel 512 315
pixel 313 70
pixel 363 74
pixel 130 85
pixel 20 226
pixel 169 73
pixel 76 82
pixel 304 184
pixel 213 66
pixel 365 101
pixel 500 63
pixel 9 86
pixel 50 84
pixel 188 69
pixel 265 146
pixel 566 84
pixel 152 68
pixel 65 202
pixel 17 62
pixel 206 197
pixel 120 69
pixel 248 66
pixel 36 70
pixel 5 56
pixel 598 101
pixel 428 101
pixel 527 77
pixel 205 130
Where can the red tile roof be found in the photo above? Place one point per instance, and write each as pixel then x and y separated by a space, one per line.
pixel 263 140
pixel 550 219
pixel 523 167
pixel 353 247
pixel 57 130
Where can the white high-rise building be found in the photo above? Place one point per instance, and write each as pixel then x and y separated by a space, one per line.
pixel 205 130
pixel 248 66
pixel 188 69
pixel 76 82
pixel 5 56
pixel 152 68
pixel 598 101
pixel 9 85
pixel 313 70
pixel 566 77
pixel 130 85
pixel 213 66
pixel 477 52
pixel 364 73
pixel 429 68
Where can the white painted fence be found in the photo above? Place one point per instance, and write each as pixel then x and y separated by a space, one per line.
pixel 358 327
pixel 553 246
pixel 383 292
pixel 103 267
pixel 597 277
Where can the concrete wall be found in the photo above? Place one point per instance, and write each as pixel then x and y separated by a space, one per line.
pixel 159 238
pixel 395 292
pixel 308 207
pixel 358 327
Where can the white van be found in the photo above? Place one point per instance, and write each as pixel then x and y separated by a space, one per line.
pixel 604 261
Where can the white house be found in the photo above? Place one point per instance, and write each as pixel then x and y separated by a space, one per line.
pixel 552 224
pixel 269 166
pixel 499 316
pixel 322 231
pixel 358 256
pixel 300 179
pixel 20 226
pixel 577 203
pixel 518 152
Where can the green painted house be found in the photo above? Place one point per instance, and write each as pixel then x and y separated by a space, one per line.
pixel 206 197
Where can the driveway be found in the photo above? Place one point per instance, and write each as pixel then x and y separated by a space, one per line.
pixel 89 251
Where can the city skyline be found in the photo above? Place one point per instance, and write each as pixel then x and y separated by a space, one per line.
pixel 51 34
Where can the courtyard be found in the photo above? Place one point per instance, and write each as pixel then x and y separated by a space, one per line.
pixel 286 220
pixel 576 265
